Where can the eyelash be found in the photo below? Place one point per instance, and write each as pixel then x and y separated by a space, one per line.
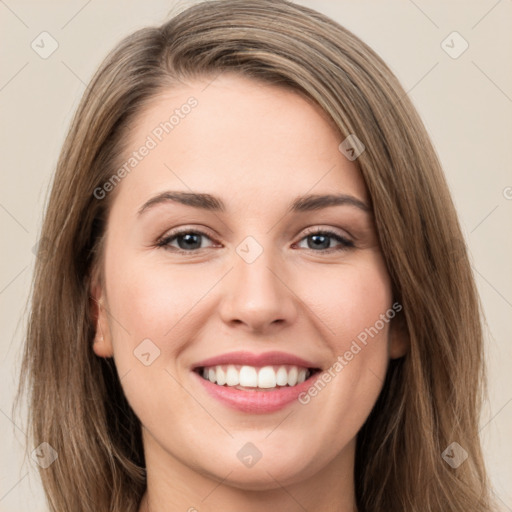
pixel 165 241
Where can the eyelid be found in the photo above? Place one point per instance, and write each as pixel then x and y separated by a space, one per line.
pixel 173 233
pixel 318 228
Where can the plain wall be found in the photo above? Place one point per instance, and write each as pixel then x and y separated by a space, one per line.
pixel 465 102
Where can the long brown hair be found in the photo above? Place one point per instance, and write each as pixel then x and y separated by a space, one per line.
pixel 431 397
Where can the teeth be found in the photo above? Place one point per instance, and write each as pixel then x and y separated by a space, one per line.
pixel 248 376
pixel 282 376
pixel 267 377
pixel 232 376
pixel 221 376
pixel 292 376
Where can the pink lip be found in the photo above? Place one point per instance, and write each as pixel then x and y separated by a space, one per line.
pixel 256 401
pixel 249 359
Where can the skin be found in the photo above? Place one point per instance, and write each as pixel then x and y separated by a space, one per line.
pixel 257 147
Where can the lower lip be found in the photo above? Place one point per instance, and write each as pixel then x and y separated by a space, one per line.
pixel 256 401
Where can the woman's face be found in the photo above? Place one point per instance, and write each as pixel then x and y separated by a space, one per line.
pixel 245 289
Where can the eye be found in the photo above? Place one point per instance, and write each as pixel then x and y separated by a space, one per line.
pixel 188 240
pixel 321 241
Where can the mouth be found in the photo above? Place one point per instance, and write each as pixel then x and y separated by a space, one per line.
pixel 256 378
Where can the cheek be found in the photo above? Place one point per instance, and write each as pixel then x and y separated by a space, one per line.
pixel 151 300
pixel 151 319
pixel 352 300
pixel 357 311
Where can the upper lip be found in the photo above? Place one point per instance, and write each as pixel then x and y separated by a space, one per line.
pixel 250 359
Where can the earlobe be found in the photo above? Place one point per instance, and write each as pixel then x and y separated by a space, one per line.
pixel 102 344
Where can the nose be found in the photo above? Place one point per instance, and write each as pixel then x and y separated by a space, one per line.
pixel 259 294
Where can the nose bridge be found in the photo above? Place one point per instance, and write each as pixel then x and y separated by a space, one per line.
pixel 257 295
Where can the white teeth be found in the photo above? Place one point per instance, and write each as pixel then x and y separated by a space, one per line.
pixel 248 376
pixel 282 376
pixel 292 376
pixel 267 377
pixel 221 376
pixel 232 376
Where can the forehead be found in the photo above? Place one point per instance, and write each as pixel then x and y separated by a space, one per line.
pixel 240 139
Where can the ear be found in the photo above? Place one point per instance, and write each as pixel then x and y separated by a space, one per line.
pixel 102 344
pixel 398 337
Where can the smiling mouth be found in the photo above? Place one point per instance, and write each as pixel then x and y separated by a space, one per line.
pixel 252 378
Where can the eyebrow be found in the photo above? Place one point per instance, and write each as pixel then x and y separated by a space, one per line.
pixel 212 203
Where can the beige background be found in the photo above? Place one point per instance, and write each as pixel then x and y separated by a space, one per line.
pixel 466 104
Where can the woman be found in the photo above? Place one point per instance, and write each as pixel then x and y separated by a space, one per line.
pixel 319 349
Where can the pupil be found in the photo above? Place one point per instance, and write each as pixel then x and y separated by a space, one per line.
pixel 315 237
pixel 189 238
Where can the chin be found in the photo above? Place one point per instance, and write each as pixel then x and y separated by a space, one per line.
pixel 264 475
